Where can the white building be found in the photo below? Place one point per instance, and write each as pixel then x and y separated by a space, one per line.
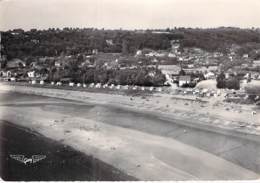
pixel 209 75
pixel 170 69
pixel 184 80
pixel 31 74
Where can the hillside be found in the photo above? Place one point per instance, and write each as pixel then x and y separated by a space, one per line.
pixel 71 41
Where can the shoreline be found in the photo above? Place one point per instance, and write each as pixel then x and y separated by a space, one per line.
pixel 140 103
pixel 141 154
pixel 82 166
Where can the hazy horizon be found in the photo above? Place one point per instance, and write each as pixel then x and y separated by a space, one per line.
pixel 128 14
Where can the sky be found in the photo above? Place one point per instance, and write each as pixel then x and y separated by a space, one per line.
pixel 128 14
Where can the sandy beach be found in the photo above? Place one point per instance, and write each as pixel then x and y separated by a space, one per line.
pixel 206 112
pixel 123 138
pixel 61 162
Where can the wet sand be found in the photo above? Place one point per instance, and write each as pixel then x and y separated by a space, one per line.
pixel 144 146
pixel 62 163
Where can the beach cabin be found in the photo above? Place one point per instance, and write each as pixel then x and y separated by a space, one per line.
pixel 91 85
pixel 98 85
pixel 159 89
pixel 118 87
pixel 112 86
pixel 13 79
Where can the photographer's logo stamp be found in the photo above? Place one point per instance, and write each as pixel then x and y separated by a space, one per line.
pixel 31 160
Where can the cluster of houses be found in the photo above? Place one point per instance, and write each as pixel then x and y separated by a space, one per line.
pixel 182 67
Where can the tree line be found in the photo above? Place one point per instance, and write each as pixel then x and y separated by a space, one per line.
pixel 141 76
pixel 71 41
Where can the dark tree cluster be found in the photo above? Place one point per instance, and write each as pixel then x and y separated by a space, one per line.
pixel 141 76
pixel 221 39
pixel 53 42
pixel 231 83
pixel 71 41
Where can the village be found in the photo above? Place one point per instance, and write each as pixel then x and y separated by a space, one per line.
pixel 188 71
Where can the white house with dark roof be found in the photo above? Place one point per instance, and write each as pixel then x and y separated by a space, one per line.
pixel 170 69
pixel 184 80
pixel 256 63
pixel 15 63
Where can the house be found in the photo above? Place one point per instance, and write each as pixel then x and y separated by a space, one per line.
pixel 109 42
pixel 245 56
pixel 171 55
pixel 58 63
pixel 256 63
pixel 209 75
pixel 172 70
pixel 31 74
pixel 15 63
pixel 183 80
pixel 244 65
pixel 190 66
pixel 36 65
pixel 151 54
pixel 212 68
pixel 94 51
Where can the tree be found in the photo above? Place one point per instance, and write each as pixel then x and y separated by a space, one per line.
pixel 125 47
pixel 221 80
pixel 233 83
pixel 182 73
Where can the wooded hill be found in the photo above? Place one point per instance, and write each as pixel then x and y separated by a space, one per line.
pixel 71 41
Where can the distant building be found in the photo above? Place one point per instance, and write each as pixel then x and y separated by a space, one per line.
pixel 256 63
pixel 170 69
pixel 58 63
pixel 245 56
pixel 171 55
pixel 109 42
pixel 184 80
pixel 209 75
pixel 190 65
pixel 212 68
pixel 95 51
pixel 15 63
pixel 31 74
pixel 244 65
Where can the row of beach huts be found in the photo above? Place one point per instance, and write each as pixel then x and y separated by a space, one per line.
pixel 99 86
